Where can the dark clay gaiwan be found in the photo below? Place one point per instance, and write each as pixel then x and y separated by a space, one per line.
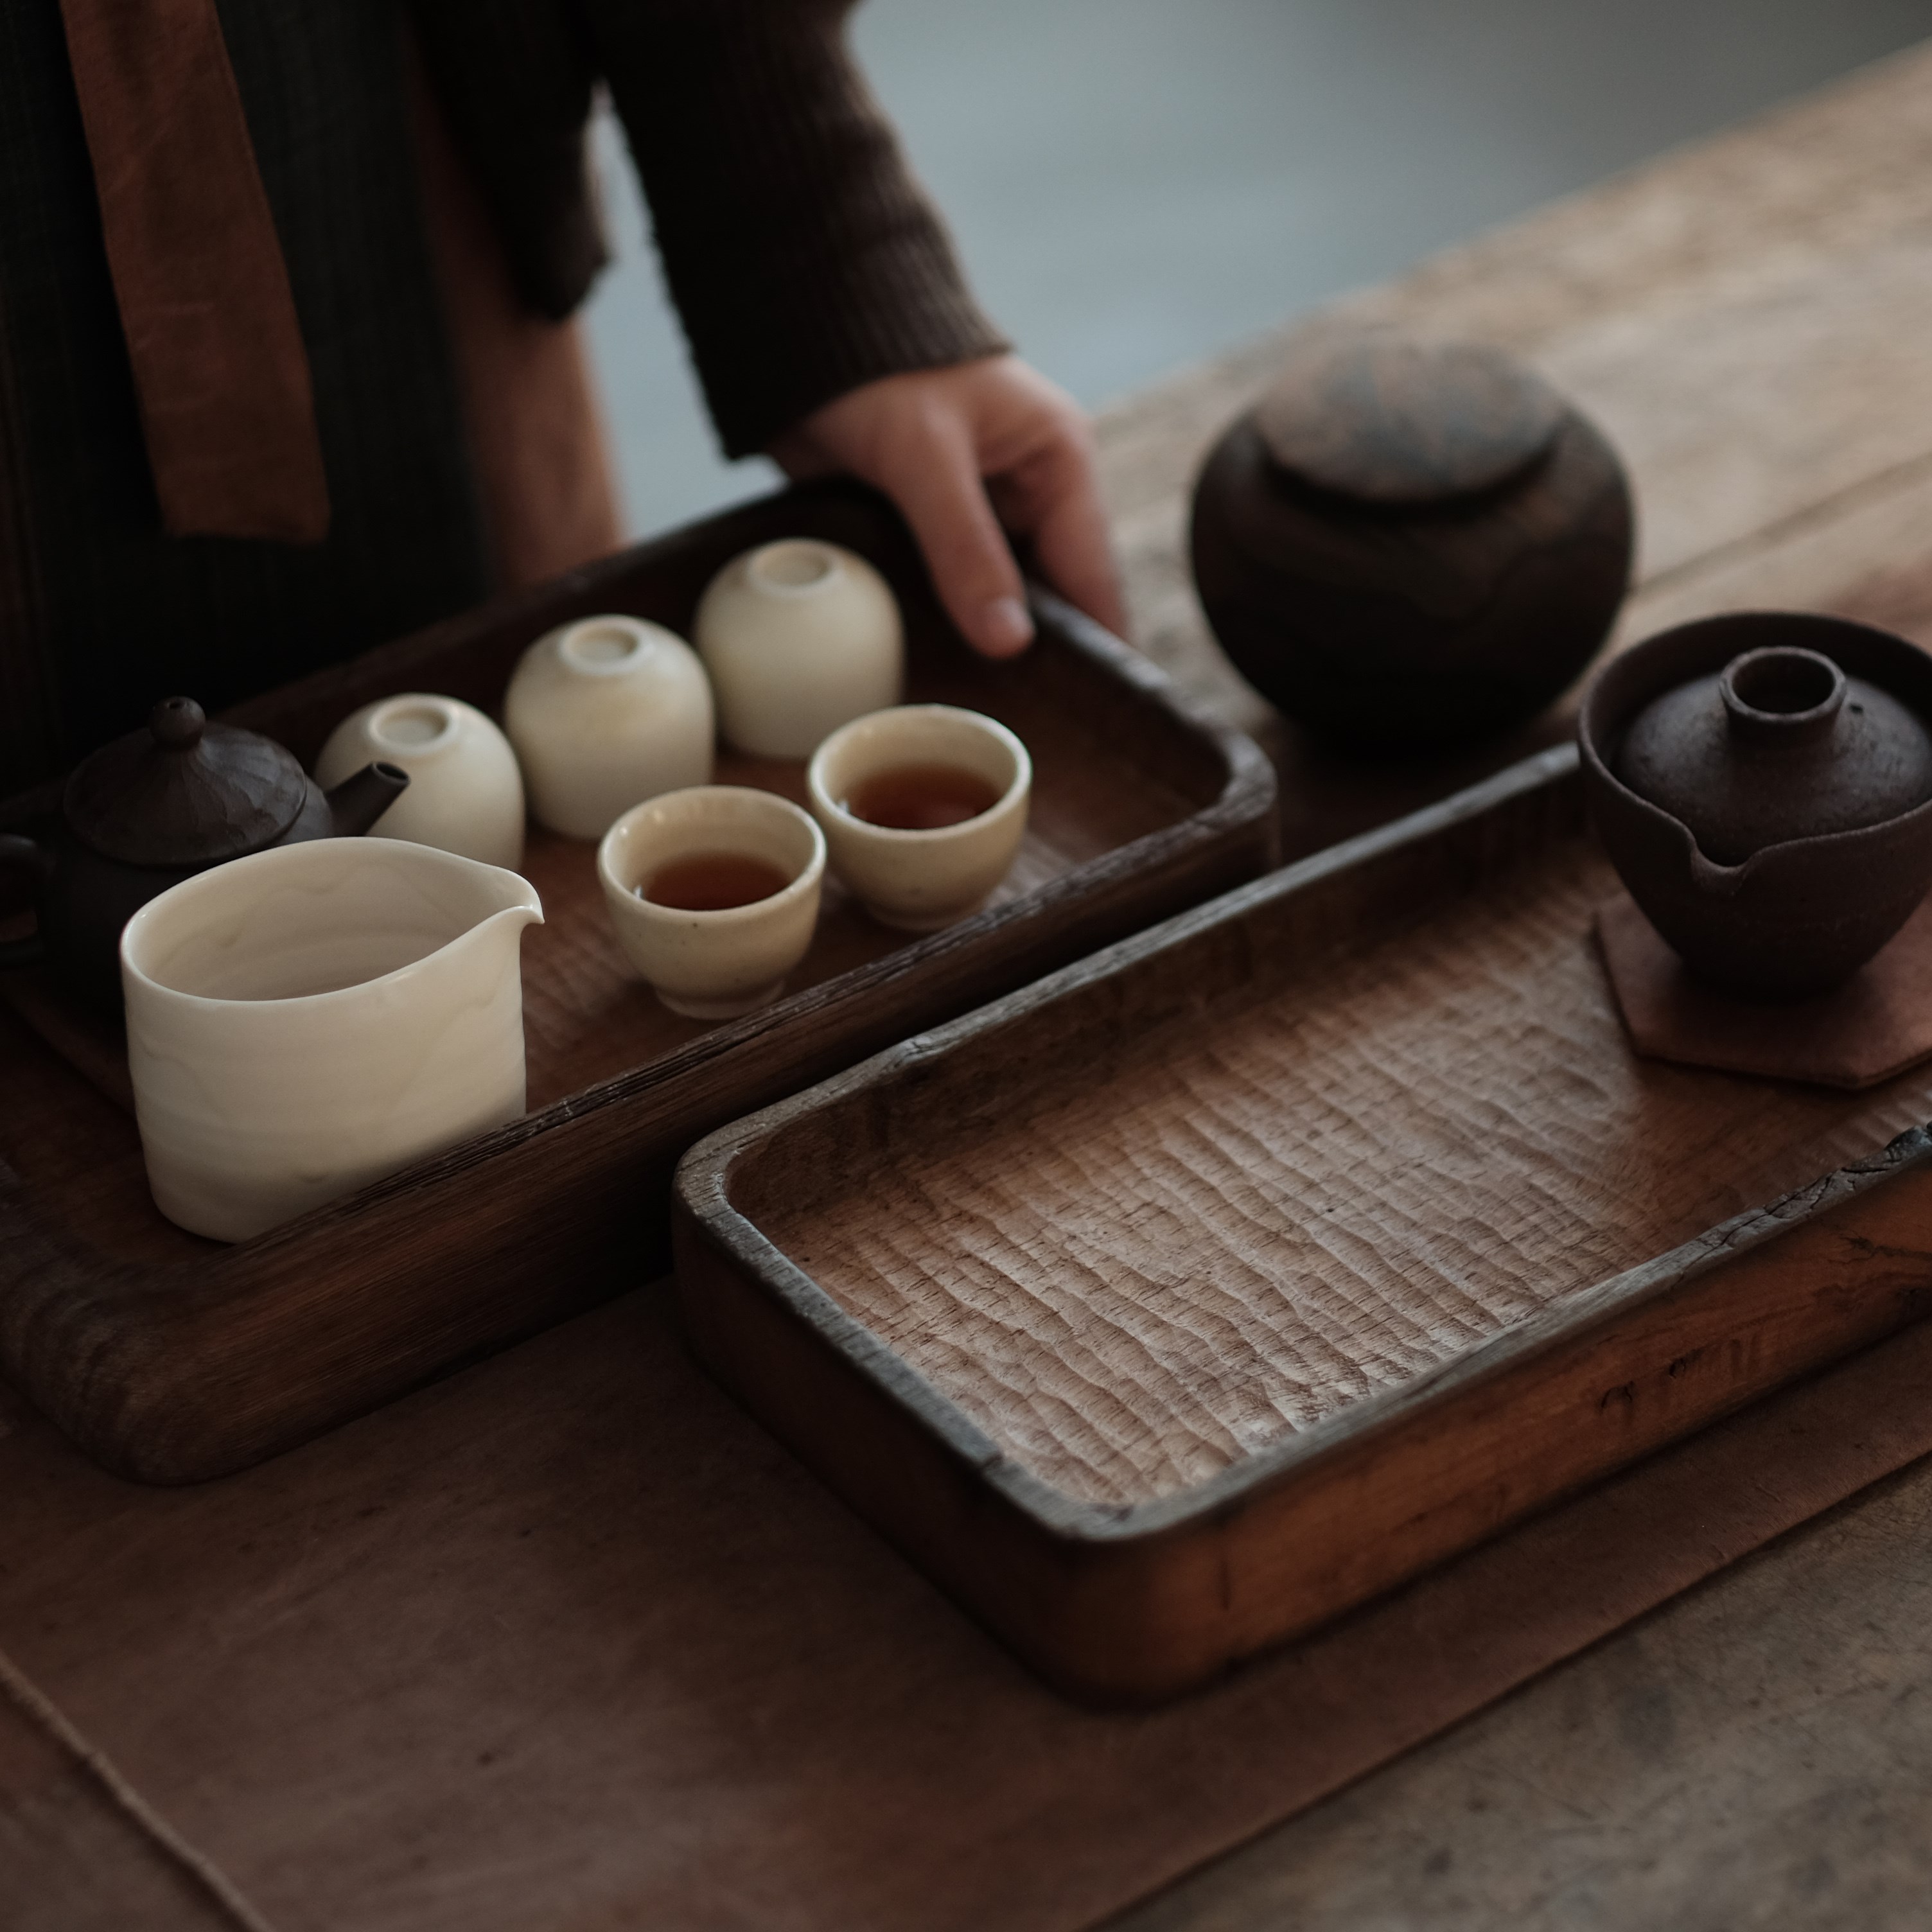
pixel 1762 783
pixel 1406 543
pixel 150 809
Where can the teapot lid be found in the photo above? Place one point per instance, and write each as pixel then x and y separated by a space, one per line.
pixel 1392 420
pixel 184 792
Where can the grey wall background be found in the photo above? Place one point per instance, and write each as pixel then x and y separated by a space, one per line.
pixel 1137 184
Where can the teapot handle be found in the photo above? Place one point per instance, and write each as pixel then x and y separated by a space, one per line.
pixel 17 850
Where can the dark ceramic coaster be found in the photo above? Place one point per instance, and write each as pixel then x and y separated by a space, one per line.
pixel 1877 1024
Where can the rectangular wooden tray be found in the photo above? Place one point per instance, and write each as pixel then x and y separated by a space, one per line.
pixel 1168 1307
pixel 172 1358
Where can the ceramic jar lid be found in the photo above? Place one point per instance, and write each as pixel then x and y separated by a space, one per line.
pixel 1781 745
pixel 184 792
pixel 1390 420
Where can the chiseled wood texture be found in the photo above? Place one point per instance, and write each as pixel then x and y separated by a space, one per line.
pixel 1267 1213
pixel 172 1358
pixel 1214 1285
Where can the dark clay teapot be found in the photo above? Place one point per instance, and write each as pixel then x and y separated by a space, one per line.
pixel 154 807
pixel 1407 543
pixel 1763 784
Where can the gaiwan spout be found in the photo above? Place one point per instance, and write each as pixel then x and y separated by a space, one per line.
pixel 361 798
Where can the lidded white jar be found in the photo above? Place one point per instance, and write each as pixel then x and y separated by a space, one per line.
pixel 466 794
pixel 605 713
pixel 800 636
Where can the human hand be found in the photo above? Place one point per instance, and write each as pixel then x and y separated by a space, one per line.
pixel 970 453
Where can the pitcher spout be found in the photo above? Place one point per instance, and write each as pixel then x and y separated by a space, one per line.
pixel 361 798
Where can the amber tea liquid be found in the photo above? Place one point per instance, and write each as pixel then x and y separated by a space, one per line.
pixel 713 882
pixel 921 798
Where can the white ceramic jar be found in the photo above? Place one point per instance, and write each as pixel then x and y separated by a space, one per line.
pixel 799 636
pixel 306 1019
pixel 604 713
pixel 466 794
pixel 921 880
pixel 715 963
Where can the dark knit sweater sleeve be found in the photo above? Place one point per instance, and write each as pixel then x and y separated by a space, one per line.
pixel 803 257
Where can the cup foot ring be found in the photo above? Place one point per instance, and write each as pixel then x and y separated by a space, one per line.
pixel 693 1009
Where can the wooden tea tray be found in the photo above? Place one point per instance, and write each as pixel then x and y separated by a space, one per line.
pixel 1167 1308
pixel 171 1358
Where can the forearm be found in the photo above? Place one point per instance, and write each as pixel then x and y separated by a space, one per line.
pixel 804 258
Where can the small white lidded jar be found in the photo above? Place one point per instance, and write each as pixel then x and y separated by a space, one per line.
pixel 604 713
pixel 714 894
pixel 923 808
pixel 800 637
pixel 466 794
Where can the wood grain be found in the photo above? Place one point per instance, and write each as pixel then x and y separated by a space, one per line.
pixel 1170 1306
pixel 1272 1211
pixel 80 1851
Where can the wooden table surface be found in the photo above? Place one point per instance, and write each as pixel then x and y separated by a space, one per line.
pixel 1751 321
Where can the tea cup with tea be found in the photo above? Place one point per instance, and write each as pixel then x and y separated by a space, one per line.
pixel 713 892
pixel 923 808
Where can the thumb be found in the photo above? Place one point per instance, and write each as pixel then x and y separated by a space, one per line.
pixel 940 491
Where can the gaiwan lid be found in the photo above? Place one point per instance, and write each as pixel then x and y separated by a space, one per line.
pixel 184 792
pixel 1396 421
pixel 1780 744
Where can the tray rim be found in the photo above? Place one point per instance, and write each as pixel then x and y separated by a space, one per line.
pixel 702 1189
pixel 1248 793
pixel 176 1368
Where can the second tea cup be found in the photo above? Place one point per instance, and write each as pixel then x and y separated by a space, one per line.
pixel 713 892
pixel 923 808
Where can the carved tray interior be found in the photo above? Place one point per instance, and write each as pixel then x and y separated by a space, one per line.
pixel 1133 1274
pixel 1174 1304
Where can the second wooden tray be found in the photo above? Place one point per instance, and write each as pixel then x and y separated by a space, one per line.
pixel 1170 1306
pixel 172 1358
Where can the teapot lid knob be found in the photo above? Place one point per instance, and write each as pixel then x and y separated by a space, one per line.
pixel 177 723
pixel 184 792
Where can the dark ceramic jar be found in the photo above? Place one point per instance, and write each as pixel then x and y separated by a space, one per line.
pixel 1406 543
pixel 1762 783
pixel 154 808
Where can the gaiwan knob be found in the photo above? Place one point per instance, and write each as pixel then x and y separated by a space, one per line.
pixel 1780 744
pixel 1762 783
pixel 1406 543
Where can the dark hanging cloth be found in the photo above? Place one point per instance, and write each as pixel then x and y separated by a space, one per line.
pixel 803 257
pixel 122 613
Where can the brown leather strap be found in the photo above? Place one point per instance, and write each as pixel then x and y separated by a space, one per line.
pixel 222 376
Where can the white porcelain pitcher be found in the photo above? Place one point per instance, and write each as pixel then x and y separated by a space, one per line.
pixel 305 1020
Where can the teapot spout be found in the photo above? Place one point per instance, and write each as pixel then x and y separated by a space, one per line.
pixel 361 798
